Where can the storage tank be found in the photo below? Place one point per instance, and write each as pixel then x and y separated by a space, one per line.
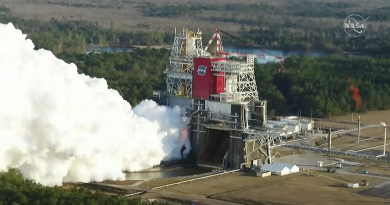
pixel 307 125
pixel 353 185
pixel 231 82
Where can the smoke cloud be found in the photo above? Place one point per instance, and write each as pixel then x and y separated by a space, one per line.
pixel 59 126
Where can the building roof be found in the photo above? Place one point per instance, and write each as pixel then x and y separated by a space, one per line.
pixel 274 167
pixel 290 166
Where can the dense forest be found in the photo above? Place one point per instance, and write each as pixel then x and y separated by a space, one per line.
pixel 321 84
pixel 299 24
pixel 64 35
pixel 14 190
pixel 61 36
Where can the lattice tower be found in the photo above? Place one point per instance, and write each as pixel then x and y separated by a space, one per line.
pixel 186 45
pixel 260 144
pixel 240 82
pixel 219 46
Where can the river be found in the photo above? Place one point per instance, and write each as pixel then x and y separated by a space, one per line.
pixel 230 49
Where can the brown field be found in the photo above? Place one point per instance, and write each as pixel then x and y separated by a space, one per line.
pixel 349 142
pixel 125 16
pixel 121 183
pixel 382 171
pixel 371 117
pixel 320 188
pixel 282 151
pixel 159 182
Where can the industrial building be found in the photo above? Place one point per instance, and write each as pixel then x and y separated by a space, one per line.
pixel 262 174
pixel 229 127
pixel 293 168
pixel 276 169
pixel 281 169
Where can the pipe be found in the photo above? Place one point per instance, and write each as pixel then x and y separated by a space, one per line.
pixel 269 151
pixel 136 193
pixel 247 118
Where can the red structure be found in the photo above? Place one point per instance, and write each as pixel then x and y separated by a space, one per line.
pixel 206 82
pixel 202 78
pixel 210 76
pixel 218 84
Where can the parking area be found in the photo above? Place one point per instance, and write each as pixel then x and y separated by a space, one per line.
pixel 381 190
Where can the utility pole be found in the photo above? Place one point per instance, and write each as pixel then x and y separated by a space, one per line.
pixel 311 113
pixel 358 137
pixel 330 142
pixel 330 139
pixel 384 142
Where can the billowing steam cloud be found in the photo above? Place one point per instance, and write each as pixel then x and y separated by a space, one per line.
pixel 58 126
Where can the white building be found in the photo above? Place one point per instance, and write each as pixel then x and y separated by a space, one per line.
pixel 293 168
pixel 353 185
pixel 293 124
pixel 276 169
pixel 281 127
pixel 296 125
pixel 263 174
pixel 307 125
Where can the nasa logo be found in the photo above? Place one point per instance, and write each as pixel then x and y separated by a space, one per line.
pixel 355 25
pixel 202 70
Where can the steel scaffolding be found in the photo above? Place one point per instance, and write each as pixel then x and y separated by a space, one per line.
pixel 263 143
pixel 240 83
pixel 186 45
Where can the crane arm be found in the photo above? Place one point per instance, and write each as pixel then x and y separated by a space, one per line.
pixel 242 41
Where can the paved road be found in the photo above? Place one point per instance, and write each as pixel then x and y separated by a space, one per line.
pixel 309 160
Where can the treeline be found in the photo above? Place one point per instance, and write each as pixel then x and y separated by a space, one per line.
pixel 296 25
pixel 298 8
pixel 73 36
pixel 14 190
pixel 332 39
pixel 69 36
pixel 196 9
pixel 321 84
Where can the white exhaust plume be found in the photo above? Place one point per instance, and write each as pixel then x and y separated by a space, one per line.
pixel 59 126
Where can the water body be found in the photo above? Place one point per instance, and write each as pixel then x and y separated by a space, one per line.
pixel 160 172
pixel 229 49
